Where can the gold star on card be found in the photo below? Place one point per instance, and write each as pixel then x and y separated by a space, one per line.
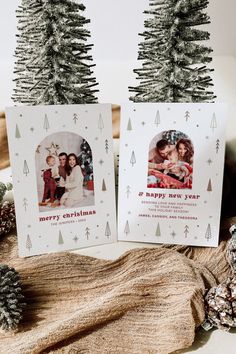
pixel 53 149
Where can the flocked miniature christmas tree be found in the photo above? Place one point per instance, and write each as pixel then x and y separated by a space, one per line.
pixel 27 37
pixel 56 67
pixel 174 59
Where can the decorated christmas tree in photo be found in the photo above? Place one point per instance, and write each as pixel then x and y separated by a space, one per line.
pixel 85 160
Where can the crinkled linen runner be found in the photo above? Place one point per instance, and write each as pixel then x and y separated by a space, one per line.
pixel 146 301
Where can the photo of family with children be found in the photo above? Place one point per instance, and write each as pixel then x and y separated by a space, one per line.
pixel 170 161
pixel 64 169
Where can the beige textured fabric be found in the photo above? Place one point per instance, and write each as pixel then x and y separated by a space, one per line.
pixel 146 301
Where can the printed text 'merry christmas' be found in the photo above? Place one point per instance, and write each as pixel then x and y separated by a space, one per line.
pixel 67 215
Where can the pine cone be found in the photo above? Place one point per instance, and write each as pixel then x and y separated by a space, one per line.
pixel 220 301
pixel 11 299
pixel 231 249
pixel 3 189
pixel 221 305
pixel 7 217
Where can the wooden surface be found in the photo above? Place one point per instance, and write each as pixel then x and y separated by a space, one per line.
pixel 4 156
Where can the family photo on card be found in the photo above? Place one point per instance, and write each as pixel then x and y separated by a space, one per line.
pixel 170 163
pixel 63 172
pixel 170 185
pixel 165 183
pixel 64 165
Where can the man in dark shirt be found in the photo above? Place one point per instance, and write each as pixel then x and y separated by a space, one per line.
pixel 159 154
pixel 62 173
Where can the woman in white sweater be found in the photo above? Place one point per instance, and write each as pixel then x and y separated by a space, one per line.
pixel 73 183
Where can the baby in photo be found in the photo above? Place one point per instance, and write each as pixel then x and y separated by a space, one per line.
pixel 173 166
pixel 179 160
pixel 50 175
pixel 179 170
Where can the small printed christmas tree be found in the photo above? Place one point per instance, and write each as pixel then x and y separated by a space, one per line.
pixel 25 203
pixel 106 146
pixel 127 229
pixel 186 230
pixel 129 126
pixel 87 233
pixel 100 123
pixel 46 125
pixel 17 132
pixel 208 234
pixel 60 239
pixel 28 243
pixel 217 145
pixel 187 115
pixel 85 160
pixel 128 191
pixel 158 230
pixel 75 118
pixel 133 158
pixel 108 230
pixel 157 118
pixel 213 122
pixel 174 59
pixel 56 66
pixel 25 168
pixel 104 188
pixel 209 186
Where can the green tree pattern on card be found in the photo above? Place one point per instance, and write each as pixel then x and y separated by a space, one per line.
pixel 209 186
pixel 129 126
pixel 104 188
pixel 157 118
pixel 60 239
pixel 28 243
pixel 158 230
pixel 108 230
pixel 127 228
pixel 17 133
pixel 25 168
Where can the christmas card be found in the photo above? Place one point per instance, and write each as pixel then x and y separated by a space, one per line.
pixel 63 176
pixel 171 173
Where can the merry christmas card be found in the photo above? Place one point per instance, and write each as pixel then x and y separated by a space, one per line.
pixel 63 176
pixel 171 173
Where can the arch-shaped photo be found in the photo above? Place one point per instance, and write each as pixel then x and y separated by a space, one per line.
pixel 64 172
pixel 170 161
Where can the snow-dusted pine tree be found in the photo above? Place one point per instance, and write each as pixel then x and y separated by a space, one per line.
pixel 174 59
pixel 27 36
pixel 57 66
